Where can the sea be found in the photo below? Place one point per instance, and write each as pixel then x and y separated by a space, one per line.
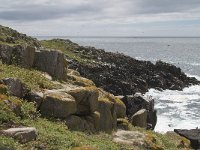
pixel 175 109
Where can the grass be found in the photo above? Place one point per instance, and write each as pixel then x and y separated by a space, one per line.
pixel 32 78
pixel 7 143
pixel 67 47
pixel 55 135
pixel 12 37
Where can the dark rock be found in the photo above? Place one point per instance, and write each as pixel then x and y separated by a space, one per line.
pixel 193 135
pixel 136 102
pixel 123 75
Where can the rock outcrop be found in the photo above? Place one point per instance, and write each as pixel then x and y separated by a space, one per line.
pixel 86 99
pixel 122 75
pixel 18 55
pixel 108 118
pixel 88 123
pixel 58 104
pixel 52 62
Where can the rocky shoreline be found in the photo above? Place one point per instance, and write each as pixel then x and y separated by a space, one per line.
pixel 123 75
pixel 87 89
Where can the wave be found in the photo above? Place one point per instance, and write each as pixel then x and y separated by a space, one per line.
pixel 177 109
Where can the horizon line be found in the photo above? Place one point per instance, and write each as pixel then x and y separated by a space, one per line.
pixel 72 36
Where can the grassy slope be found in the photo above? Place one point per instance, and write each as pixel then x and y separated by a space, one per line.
pixel 53 134
pixel 12 37
pixel 32 78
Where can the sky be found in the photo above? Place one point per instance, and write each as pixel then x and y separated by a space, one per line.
pixel 102 17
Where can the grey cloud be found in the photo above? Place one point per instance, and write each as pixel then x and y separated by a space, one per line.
pixel 28 12
pixel 167 6
pixel 23 10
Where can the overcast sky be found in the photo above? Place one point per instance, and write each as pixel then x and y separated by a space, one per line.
pixel 102 17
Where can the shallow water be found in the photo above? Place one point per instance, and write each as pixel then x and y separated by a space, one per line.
pixel 176 109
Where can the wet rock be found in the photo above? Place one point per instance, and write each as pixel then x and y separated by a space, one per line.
pixel 58 104
pixel 193 135
pixel 122 75
pixel 23 135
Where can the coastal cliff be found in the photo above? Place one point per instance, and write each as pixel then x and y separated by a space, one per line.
pixel 54 93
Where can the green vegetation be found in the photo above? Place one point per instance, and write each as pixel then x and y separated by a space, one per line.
pixel 168 141
pixel 12 37
pixel 55 135
pixel 32 78
pixel 6 113
pixel 67 47
pixel 7 143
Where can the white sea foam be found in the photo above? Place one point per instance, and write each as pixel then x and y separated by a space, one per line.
pixel 177 109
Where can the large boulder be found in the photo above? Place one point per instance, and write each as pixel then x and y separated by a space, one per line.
pixel 86 99
pixel 58 104
pixel 108 117
pixel 51 61
pixel 18 55
pixel 23 135
pixel 89 123
pixel 139 119
pixel 15 87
